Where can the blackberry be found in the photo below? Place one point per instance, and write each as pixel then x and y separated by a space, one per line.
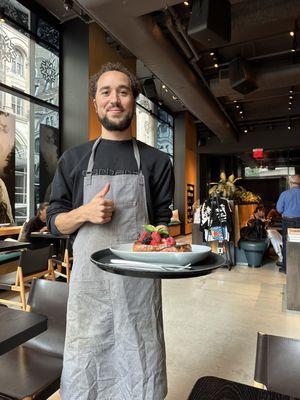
pixel 146 240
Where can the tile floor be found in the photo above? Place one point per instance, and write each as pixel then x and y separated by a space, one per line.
pixel 211 324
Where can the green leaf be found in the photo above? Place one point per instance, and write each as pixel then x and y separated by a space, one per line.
pixel 149 228
pixel 163 232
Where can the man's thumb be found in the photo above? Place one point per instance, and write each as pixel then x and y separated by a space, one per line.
pixel 105 190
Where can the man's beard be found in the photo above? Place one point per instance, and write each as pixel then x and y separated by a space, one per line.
pixel 120 125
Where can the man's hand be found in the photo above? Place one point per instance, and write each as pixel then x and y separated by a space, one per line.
pixel 99 210
pixel 44 229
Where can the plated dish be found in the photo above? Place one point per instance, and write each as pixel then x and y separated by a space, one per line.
pixel 198 253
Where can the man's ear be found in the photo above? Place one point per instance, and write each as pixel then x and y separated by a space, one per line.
pixel 95 105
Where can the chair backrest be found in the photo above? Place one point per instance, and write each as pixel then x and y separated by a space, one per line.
pixel 22 233
pixel 50 298
pixel 34 261
pixel 277 364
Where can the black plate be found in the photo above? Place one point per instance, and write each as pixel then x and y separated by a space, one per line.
pixel 103 258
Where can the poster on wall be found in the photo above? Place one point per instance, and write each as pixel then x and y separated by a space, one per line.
pixel 7 167
pixel 49 144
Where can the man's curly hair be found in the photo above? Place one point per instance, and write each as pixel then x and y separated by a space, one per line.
pixel 115 66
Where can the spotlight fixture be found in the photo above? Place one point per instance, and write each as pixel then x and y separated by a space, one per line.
pixel 291 91
pixel 291 97
pixel 163 86
pixel 293 50
pixel 289 108
pixel 174 97
pixel 235 101
pixel 68 4
pixel 241 112
pixel 186 3
pixel 237 106
pixel 292 33
pixel 289 127
pixel 245 130
pixel 216 65
pixel 290 103
pixel 211 53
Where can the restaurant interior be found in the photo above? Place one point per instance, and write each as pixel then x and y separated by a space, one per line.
pixel 220 95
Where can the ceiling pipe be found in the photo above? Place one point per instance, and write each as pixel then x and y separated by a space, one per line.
pixel 142 36
pixel 192 60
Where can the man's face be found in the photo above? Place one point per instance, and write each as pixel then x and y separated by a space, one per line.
pixel 114 101
pixel 43 214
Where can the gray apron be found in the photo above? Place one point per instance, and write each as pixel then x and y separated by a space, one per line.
pixel 114 347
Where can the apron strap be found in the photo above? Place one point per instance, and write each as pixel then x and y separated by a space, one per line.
pixel 89 171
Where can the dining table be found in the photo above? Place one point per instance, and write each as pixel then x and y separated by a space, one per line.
pixel 214 388
pixel 19 326
pixel 10 245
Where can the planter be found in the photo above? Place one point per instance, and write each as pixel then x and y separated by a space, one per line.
pixel 254 251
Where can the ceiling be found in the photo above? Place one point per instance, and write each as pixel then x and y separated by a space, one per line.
pixel 156 33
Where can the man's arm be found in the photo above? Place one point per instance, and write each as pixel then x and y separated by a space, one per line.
pixel 280 204
pixel 162 191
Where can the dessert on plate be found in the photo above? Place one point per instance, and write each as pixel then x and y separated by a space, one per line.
pixel 158 239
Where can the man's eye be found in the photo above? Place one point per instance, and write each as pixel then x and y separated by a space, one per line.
pixel 124 92
pixel 104 93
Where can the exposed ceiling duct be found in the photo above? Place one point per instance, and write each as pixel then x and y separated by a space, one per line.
pixel 139 33
pixel 265 78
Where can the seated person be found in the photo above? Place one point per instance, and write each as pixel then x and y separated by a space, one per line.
pixel 259 226
pixel 37 224
pixel 274 217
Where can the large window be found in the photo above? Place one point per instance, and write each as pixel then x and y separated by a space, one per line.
pixel 29 105
pixel 154 125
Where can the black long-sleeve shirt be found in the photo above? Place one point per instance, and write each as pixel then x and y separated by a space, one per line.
pixel 112 158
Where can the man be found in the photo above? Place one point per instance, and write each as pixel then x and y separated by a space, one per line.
pixel 289 206
pixel 104 191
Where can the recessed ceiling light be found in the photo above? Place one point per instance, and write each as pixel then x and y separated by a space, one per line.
pixel 237 106
pixel 235 101
pixel 163 86
pixel 293 50
pixel 166 90
pixel 289 128
pixel 241 112
pixel 291 91
pixel 211 53
pixel 216 65
pixel 174 98
pixel 289 108
pixel 186 3
pixel 292 33
pixel 290 103
pixel 291 97
pixel 245 130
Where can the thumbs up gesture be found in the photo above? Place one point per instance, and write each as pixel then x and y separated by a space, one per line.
pixel 99 210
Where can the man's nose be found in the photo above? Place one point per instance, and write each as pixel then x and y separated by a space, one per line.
pixel 114 97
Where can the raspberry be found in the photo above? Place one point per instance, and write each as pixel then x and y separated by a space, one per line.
pixel 156 236
pixel 170 241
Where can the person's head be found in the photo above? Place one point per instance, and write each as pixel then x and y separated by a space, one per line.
pixel 41 211
pixel 259 211
pixel 295 181
pixel 114 90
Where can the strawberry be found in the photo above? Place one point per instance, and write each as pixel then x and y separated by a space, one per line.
pixel 156 236
pixel 142 236
pixel 170 241
pixel 154 242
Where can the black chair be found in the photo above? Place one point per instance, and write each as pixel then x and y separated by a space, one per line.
pixel 32 264
pixel 34 368
pixel 277 364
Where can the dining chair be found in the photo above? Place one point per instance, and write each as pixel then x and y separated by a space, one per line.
pixel 277 365
pixel 34 369
pixel 32 264
pixel 64 262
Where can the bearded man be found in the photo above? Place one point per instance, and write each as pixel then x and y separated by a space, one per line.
pixel 102 194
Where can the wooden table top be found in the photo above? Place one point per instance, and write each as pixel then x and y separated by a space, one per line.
pixel 9 230
pixel 19 326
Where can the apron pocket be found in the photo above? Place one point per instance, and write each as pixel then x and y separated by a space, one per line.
pixel 90 317
pixel 125 222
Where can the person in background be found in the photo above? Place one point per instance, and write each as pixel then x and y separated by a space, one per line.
pixel 36 224
pixel 288 205
pixel 274 236
pixel 273 215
